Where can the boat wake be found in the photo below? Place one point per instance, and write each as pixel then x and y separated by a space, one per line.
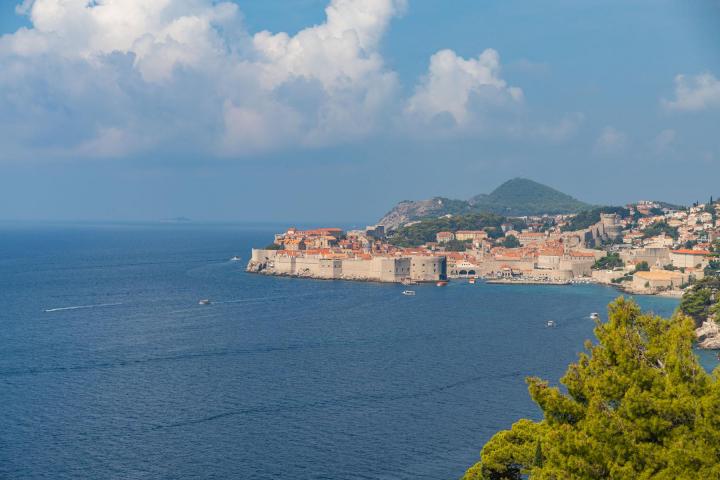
pixel 81 307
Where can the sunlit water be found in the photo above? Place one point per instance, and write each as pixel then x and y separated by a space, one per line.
pixel 109 368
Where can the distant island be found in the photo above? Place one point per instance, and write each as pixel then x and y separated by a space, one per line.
pixel 176 220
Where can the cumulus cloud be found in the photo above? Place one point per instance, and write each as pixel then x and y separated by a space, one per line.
pixel 694 93
pixel 113 78
pixel 186 74
pixel 456 91
pixel 610 142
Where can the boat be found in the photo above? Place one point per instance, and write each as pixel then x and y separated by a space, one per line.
pixel 204 302
pixel 442 283
pixel 408 281
pixel 595 316
pixel 551 323
pixel 471 281
pixel 235 259
pixel 409 293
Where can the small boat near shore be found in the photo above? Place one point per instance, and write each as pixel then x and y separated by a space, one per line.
pixel 595 316
pixel 442 283
pixel 471 281
pixel 235 259
pixel 409 293
pixel 204 301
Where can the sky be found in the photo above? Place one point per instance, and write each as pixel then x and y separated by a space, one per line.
pixel 334 110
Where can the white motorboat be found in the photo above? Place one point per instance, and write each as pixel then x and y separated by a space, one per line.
pixel 204 301
pixel 551 324
pixel 594 316
pixel 409 293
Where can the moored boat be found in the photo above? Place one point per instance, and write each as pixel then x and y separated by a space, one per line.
pixel 442 283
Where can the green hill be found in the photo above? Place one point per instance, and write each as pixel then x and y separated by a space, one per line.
pixel 520 196
pixel 517 197
pixel 425 231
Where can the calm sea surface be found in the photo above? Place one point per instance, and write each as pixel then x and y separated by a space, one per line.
pixel 109 368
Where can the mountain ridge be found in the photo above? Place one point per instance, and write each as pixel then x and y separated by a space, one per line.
pixel 515 197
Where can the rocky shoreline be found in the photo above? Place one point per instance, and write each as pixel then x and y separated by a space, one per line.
pixel 708 335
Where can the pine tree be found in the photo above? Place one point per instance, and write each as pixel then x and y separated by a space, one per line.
pixel 638 406
pixel 538 462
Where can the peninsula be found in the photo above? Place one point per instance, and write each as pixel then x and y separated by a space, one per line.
pixel 646 247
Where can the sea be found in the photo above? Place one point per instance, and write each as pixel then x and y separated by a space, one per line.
pixel 110 369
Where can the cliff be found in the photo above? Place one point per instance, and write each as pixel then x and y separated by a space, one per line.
pixel 708 335
pixel 408 211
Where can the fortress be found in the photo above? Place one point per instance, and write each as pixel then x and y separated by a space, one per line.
pixel 328 266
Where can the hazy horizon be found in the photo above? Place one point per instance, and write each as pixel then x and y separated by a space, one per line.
pixel 303 222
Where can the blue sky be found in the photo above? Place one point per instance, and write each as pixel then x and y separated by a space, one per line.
pixel 191 111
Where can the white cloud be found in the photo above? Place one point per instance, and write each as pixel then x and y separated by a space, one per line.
pixel 694 93
pixel 610 142
pixel 188 71
pixel 112 78
pixel 457 90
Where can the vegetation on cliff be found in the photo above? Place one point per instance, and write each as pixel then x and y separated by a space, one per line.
pixel 636 405
pixel 660 228
pixel 608 262
pixel 587 218
pixel 456 246
pixel 701 299
pixel 713 268
pixel 426 230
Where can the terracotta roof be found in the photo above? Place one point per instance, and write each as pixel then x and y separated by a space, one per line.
pixel 557 252
pixel 582 254
pixel 320 231
pixel 318 251
pixel 685 251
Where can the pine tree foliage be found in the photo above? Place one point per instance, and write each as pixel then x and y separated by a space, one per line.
pixel 637 405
